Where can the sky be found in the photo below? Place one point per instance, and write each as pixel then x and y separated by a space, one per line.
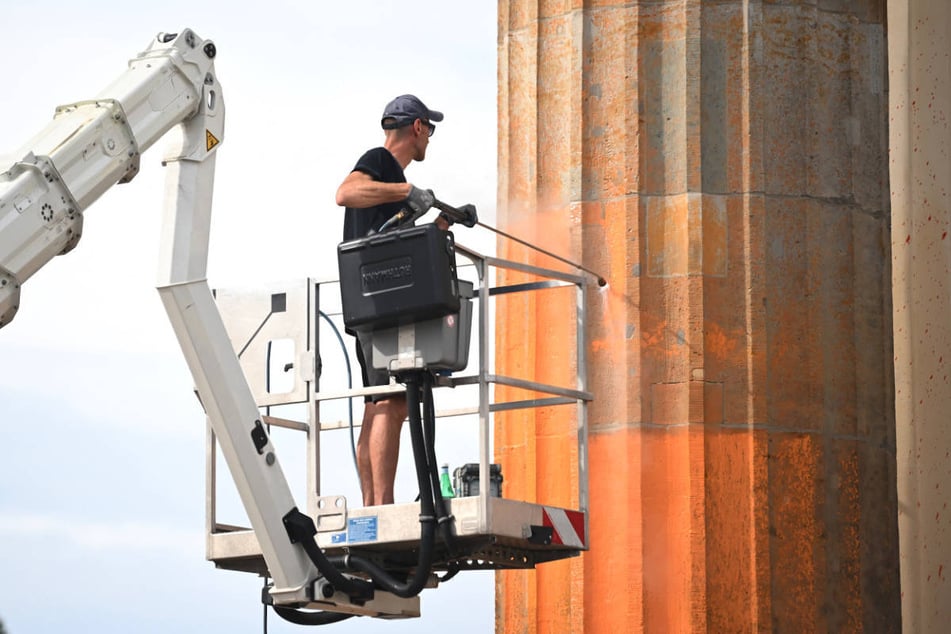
pixel 102 490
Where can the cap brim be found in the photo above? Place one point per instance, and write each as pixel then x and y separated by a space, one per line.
pixel 435 115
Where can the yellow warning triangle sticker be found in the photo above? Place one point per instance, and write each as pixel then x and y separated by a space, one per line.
pixel 210 140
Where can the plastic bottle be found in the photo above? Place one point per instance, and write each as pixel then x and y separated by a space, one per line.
pixel 445 484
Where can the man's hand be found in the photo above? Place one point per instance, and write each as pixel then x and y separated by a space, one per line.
pixel 420 200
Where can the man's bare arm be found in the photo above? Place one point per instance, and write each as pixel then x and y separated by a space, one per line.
pixel 359 191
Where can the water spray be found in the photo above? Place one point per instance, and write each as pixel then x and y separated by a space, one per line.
pixel 455 214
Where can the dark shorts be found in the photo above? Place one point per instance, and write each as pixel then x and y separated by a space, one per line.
pixel 371 376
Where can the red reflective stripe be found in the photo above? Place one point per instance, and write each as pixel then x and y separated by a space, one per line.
pixel 567 526
pixel 577 522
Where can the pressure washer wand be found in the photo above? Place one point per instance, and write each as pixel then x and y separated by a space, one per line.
pixel 457 215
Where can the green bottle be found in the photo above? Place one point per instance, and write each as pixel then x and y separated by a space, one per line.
pixel 445 484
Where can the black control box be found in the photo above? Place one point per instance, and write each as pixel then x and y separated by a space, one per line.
pixel 398 277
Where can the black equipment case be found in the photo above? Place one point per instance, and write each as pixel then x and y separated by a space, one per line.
pixel 398 277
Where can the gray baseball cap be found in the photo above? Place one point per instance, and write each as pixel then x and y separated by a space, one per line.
pixel 406 109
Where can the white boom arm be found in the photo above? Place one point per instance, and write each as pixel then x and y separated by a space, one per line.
pixel 92 145
pixel 87 148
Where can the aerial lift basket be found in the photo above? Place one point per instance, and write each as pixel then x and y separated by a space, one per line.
pixel 492 532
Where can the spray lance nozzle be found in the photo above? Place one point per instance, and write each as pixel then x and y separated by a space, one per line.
pixel 457 214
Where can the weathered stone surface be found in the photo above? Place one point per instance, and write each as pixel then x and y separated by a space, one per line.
pixel 724 166
pixel 920 94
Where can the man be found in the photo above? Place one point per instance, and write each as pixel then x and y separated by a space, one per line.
pixel 374 192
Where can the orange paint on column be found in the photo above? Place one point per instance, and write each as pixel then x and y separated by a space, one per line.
pixel 716 161
pixel 616 536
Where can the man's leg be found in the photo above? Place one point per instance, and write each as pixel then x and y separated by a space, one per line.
pixel 378 449
pixel 363 455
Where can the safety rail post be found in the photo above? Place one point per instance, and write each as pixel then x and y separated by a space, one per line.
pixel 556 279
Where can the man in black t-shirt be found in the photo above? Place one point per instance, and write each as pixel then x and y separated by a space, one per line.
pixel 373 192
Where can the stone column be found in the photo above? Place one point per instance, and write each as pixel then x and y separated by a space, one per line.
pixel 723 165
pixel 920 87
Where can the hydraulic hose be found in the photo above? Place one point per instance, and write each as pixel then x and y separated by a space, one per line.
pixel 300 617
pixel 300 528
pixel 427 519
pixel 451 572
pixel 443 518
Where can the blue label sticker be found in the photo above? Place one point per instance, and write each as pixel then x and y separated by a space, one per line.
pixel 338 538
pixel 362 529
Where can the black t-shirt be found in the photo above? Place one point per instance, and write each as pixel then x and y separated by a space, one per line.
pixel 381 166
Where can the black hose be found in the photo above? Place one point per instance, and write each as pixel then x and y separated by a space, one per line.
pixel 443 518
pixel 299 617
pixel 300 528
pixel 429 432
pixel 452 571
pixel 427 538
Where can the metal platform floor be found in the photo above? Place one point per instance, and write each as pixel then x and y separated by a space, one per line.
pixel 514 535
